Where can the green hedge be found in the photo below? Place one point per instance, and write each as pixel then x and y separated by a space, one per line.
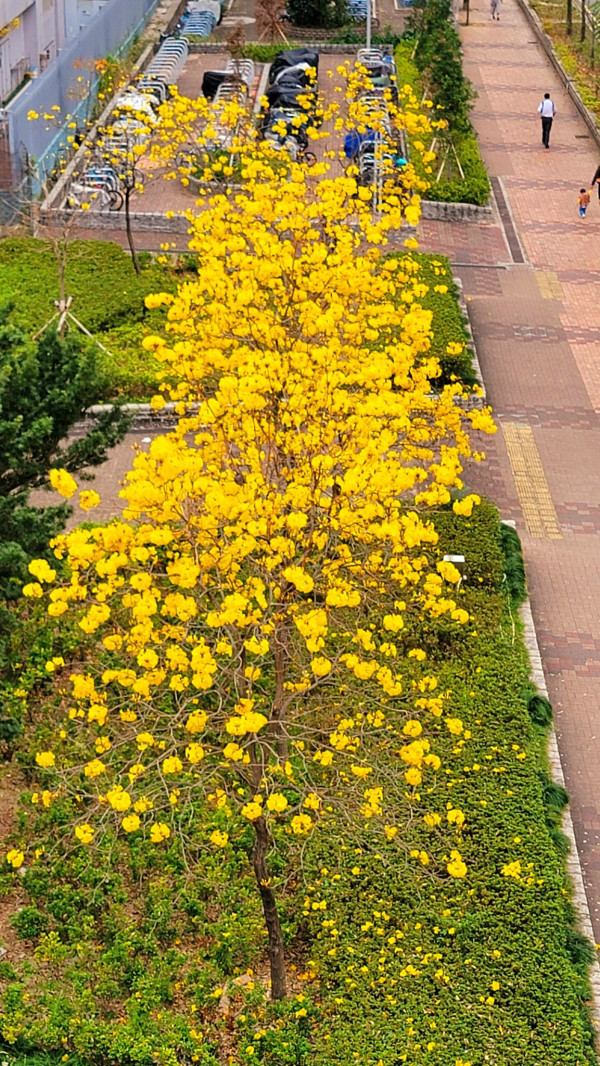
pixel 500 973
pixel 448 323
pixel 475 187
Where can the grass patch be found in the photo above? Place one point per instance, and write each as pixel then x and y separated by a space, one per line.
pixel 580 59
pixel 108 298
pixel 128 959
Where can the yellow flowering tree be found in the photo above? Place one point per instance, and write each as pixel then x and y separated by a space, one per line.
pixel 241 592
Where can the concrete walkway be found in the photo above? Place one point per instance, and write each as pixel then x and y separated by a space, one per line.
pixel 535 303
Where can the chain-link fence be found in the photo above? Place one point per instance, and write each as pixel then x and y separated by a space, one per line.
pixel 70 82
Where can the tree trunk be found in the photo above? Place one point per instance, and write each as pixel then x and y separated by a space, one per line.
pixel 61 262
pixel 281 638
pixel 569 17
pixel 134 258
pixel 583 20
pixel 269 905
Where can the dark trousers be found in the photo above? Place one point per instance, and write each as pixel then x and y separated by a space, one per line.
pixel 546 127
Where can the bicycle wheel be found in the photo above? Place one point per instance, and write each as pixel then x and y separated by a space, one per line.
pixel 309 158
pixel 116 200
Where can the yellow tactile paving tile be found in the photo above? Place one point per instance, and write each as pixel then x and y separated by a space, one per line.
pixel 549 285
pixel 530 481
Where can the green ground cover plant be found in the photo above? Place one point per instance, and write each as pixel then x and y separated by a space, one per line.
pixel 108 298
pixel 450 343
pixel 578 54
pixel 127 960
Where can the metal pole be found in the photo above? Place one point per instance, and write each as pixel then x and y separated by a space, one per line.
pixel 369 12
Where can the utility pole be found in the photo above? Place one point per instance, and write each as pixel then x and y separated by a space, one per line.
pixel 369 11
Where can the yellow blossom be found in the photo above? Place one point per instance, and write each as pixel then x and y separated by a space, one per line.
pixel 456 867
pixel 301 824
pixel 118 798
pixel 88 499
pixel 45 758
pixel 252 810
pixel 159 831
pixel 63 483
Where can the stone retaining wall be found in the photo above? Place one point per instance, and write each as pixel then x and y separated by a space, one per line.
pixel 206 47
pixel 451 212
pixel 141 222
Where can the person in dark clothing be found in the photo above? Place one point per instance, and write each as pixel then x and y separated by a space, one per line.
pixel 596 181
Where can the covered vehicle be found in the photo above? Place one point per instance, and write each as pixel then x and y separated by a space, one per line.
pixel 292 58
pixel 354 141
pixel 291 96
pixel 283 124
pixel 302 73
pixel 212 81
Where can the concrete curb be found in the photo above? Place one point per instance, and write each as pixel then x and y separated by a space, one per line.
pixel 143 414
pixel 569 83
pixel 204 48
pixel 464 309
pixel 142 221
pixel 455 212
pixel 573 861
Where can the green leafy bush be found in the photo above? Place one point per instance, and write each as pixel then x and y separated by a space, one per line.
pixel 514 564
pixel 474 187
pixel 435 272
pixel 540 710
pixel 317 12
pixel 29 923
pixel 438 56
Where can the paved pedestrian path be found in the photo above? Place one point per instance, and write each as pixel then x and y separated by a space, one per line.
pixel 536 324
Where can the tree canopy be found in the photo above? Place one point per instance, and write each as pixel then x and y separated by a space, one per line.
pixel 45 388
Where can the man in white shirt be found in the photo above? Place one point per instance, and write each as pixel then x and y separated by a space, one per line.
pixel 547 110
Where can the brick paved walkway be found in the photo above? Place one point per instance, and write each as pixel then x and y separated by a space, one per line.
pixel 536 327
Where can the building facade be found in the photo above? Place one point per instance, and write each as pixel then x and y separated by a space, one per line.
pixel 31 34
pixel 78 13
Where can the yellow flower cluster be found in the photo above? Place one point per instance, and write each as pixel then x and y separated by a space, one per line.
pixel 292 493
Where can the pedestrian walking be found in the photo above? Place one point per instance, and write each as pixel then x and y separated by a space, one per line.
pixel 583 202
pixel 495 9
pixel 547 110
pixel 596 181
